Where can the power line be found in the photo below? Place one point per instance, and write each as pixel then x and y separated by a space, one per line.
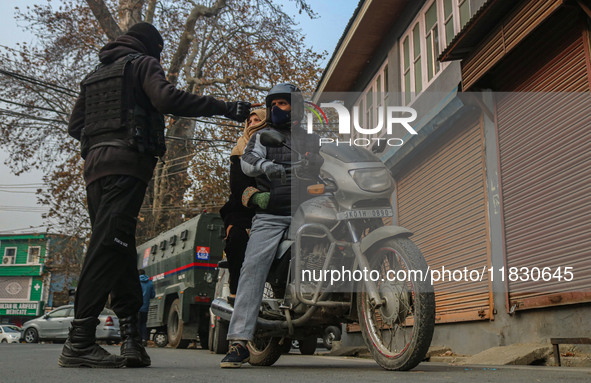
pixel 8 231
pixel 17 192
pixel 40 82
pixel 18 185
pixel 33 106
pixel 200 139
pixel 207 121
pixel 30 116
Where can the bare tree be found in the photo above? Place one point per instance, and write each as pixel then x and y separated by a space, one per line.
pixel 230 49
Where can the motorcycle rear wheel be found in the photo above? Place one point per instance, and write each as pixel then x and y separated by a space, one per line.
pixel 398 334
pixel 264 351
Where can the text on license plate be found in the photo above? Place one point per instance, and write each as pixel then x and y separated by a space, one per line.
pixel 369 213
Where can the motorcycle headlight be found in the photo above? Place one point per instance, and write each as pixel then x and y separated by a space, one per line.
pixel 372 179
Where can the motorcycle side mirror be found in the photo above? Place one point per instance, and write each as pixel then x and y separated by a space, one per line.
pixel 272 139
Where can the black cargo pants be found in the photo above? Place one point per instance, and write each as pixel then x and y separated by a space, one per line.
pixel 235 249
pixel 110 265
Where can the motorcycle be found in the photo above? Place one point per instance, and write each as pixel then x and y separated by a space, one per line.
pixel 385 284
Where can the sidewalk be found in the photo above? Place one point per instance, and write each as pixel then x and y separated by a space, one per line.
pixel 513 355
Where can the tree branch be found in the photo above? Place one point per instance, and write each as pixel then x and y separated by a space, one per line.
pixel 150 11
pixel 183 48
pixel 103 15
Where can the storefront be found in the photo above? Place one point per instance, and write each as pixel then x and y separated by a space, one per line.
pixel 18 313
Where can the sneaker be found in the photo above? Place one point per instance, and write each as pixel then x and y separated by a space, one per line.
pixel 237 355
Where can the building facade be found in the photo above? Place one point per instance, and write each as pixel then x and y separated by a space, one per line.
pixel 36 274
pixel 497 177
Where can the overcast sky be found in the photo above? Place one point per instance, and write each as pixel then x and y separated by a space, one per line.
pixel 18 204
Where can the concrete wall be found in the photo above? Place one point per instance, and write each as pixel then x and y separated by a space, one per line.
pixel 527 326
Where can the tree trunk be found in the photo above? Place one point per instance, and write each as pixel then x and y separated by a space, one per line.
pixel 130 13
pixel 171 180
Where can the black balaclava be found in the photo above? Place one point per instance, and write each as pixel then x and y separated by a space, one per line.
pixel 279 117
pixel 149 36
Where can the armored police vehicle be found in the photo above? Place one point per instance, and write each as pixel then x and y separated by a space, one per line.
pixel 182 264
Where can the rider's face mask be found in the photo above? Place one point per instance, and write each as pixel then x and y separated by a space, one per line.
pixel 280 116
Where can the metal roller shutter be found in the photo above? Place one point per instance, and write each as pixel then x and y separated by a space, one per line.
pixel 545 160
pixel 442 199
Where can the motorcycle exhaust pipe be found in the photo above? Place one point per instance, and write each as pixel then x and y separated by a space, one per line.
pixel 224 310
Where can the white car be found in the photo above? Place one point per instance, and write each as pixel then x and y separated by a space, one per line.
pixel 55 325
pixel 10 334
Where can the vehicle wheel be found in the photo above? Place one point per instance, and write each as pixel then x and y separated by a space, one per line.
pixel 331 333
pixel 307 345
pixel 4 341
pixel 264 351
pixel 175 326
pixel 31 335
pixel 398 333
pixel 219 334
pixel 160 339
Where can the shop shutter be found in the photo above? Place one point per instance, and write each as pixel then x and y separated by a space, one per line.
pixel 442 199
pixel 545 160
pixel 505 37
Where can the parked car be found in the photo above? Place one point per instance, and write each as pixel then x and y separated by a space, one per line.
pixel 10 334
pixel 55 324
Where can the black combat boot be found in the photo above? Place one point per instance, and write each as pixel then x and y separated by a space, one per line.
pixel 81 350
pixel 131 343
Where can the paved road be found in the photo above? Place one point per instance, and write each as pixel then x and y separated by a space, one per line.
pixel 38 363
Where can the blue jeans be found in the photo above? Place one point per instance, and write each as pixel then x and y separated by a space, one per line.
pixel 265 236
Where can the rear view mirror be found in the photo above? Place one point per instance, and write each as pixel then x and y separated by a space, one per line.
pixel 272 139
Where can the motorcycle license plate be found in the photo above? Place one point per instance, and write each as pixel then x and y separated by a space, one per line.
pixel 364 214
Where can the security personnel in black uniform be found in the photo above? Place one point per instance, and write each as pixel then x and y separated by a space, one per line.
pixel 119 121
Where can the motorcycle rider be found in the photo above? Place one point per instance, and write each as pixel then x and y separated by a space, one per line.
pixel 119 120
pixel 285 111
pixel 237 215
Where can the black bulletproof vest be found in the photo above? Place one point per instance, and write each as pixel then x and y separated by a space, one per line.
pixel 113 117
pixel 280 202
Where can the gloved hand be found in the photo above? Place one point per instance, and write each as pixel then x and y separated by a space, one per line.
pixel 261 199
pixel 238 110
pixel 273 170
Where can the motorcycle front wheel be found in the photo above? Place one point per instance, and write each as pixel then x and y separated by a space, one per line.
pixel 398 333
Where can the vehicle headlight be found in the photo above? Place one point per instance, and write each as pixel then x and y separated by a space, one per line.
pixel 372 179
